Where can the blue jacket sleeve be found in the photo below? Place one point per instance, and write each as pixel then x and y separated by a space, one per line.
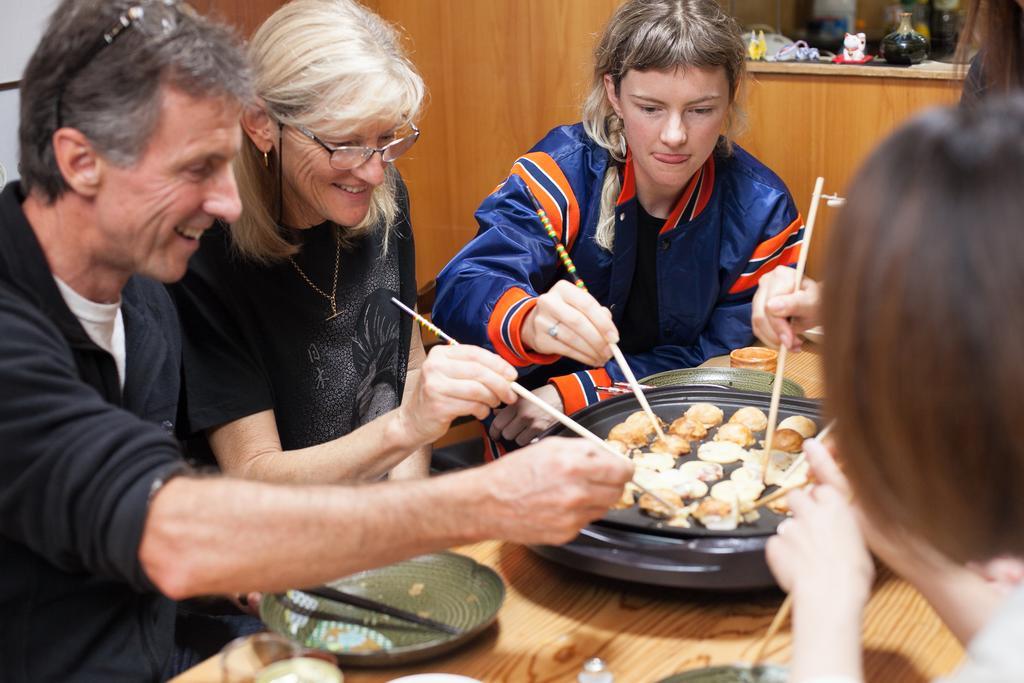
pixel 491 285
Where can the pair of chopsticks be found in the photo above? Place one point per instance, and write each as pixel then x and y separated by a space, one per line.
pixel 780 368
pixel 787 605
pixel 570 267
pixel 621 388
pixel 335 595
pixel 525 394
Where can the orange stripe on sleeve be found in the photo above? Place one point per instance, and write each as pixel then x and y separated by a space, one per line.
pixel 771 245
pixel 554 173
pixel 504 329
pixel 787 258
pixel 570 388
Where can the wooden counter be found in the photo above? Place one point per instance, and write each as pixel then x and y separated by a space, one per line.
pixel 927 70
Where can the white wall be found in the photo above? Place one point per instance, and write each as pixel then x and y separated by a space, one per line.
pixel 21 24
pixel 9 132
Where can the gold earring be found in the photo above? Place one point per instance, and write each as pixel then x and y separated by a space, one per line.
pixel 266 160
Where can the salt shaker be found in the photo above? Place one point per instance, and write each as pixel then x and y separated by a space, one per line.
pixel 595 671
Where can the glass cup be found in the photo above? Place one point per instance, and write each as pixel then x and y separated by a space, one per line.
pixel 264 656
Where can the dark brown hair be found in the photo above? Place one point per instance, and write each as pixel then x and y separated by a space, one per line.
pixel 998 27
pixel 925 321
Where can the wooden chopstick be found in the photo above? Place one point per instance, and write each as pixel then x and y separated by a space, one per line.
pixel 805 249
pixel 570 267
pixel 524 393
pixel 773 628
pixel 336 595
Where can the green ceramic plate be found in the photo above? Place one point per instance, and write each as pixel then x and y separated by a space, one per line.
pixel 447 587
pixel 728 378
pixel 734 673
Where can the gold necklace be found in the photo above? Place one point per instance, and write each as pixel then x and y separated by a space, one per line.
pixel 332 298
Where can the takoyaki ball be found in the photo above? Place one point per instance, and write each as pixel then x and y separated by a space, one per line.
pixel 779 506
pixel 803 426
pixel 691 489
pixel 731 490
pixel 701 470
pixel 671 444
pixel 716 515
pixel 629 435
pixel 707 414
pixel 640 419
pixel 752 417
pixel 659 462
pixel 628 498
pixel 652 508
pixel 787 440
pixel 688 429
pixel 617 446
pixel 722 452
pixel 736 432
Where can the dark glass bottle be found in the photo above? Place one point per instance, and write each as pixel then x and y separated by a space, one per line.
pixel 904 45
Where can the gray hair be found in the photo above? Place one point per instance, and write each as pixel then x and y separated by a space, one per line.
pixel 646 35
pixel 113 95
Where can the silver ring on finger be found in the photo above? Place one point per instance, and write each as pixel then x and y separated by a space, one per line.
pixel 553 330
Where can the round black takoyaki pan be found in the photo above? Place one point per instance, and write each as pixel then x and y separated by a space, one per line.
pixel 669 403
pixel 629 545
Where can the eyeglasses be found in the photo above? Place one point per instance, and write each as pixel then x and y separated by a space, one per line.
pixel 348 157
pixel 156 18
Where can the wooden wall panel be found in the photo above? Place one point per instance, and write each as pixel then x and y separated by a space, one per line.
pixel 500 75
pixel 806 126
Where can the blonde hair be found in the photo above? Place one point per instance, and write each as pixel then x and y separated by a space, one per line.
pixel 333 64
pixel 658 35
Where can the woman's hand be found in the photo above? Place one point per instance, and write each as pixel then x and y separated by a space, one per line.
pixel 819 557
pixel 524 421
pixel 779 314
pixel 454 381
pixel 583 328
pixel 819 554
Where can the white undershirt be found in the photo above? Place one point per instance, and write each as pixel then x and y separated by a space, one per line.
pixel 102 322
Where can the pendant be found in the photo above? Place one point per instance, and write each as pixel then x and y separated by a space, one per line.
pixel 332 316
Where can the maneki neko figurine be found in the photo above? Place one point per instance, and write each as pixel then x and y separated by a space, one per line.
pixel 853 50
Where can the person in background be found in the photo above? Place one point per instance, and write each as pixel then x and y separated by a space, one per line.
pixel 669 223
pixel 129 122
pixel 297 365
pixel 923 376
pixel 997 26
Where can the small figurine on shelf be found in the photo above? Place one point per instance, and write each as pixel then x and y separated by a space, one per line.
pixel 758 47
pixel 853 50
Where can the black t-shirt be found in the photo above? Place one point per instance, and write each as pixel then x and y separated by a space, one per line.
pixel 639 329
pixel 255 335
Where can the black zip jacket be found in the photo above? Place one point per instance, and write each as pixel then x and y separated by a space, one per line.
pixel 78 459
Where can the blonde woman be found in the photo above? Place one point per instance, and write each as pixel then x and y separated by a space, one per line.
pixel 669 224
pixel 297 366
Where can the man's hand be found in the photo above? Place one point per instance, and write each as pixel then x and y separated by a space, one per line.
pixel 454 381
pixel 583 327
pixel 524 421
pixel 547 492
pixel 779 314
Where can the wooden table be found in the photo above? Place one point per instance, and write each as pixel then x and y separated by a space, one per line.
pixel 554 619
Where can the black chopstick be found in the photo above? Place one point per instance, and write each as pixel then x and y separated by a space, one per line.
pixel 336 595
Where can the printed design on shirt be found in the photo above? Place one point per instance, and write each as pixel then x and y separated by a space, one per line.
pixel 375 357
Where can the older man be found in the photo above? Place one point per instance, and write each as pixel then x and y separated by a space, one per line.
pixel 129 122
